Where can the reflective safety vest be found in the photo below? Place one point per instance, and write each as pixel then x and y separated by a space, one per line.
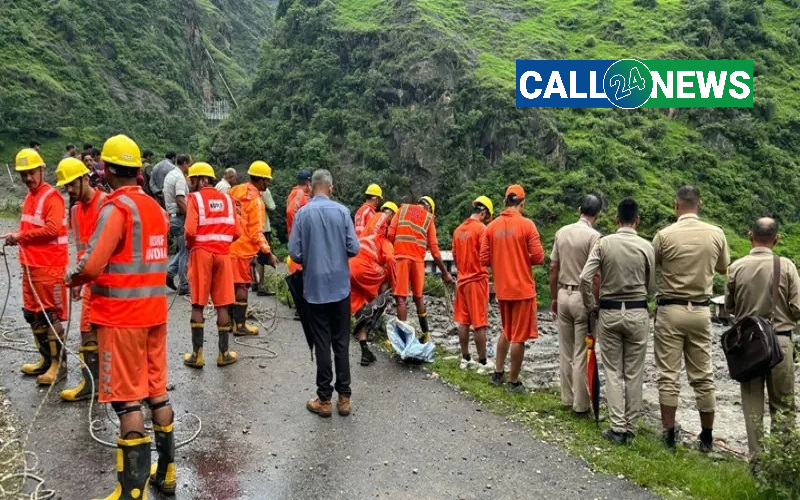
pixel 83 219
pixel 216 222
pixel 297 199
pixel 52 253
pixel 377 224
pixel 411 239
pixel 131 290
pixel 362 218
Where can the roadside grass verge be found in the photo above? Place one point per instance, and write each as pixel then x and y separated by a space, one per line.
pixel 687 474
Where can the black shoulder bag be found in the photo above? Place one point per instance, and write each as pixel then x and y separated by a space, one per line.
pixel 751 346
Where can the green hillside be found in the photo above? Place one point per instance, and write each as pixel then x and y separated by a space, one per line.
pixel 72 70
pixel 419 96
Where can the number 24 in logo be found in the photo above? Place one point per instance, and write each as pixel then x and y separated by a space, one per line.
pixel 631 92
pixel 623 88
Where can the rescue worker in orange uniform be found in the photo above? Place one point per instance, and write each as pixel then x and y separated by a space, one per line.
pixel 211 227
pixel 43 253
pixel 251 243
pixel 510 246
pixel 373 197
pixel 472 287
pixel 297 199
pixel 73 176
pixel 126 264
pixel 413 232
pixel 372 272
pixel 381 220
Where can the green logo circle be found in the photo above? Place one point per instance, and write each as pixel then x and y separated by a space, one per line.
pixel 628 83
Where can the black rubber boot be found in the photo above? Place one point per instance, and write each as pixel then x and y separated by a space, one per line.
pixel 240 325
pixel 58 363
pixel 41 366
pixel 195 358
pixel 163 472
pixel 89 368
pixel 133 469
pixel 367 357
pixel 226 356
pixel 423 325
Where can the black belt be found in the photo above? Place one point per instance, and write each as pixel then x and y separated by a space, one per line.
pixel 682 302
pixel 616 304
pixel 571 288
pixel 787 333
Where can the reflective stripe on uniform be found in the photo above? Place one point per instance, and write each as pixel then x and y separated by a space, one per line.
pixel 137 268
pixel 128 293
pixel 207 221
pixel 214 237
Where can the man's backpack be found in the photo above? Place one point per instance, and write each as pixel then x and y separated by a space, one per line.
pixel 751 346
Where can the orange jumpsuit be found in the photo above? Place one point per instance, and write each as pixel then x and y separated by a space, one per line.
pixel 510 246
pixel 252 240
pixel 472 290
pixel 212 224
pixel 378 223
pixel 296 200
pixel 363 216
pixel 374 265
pixel 413 232
pixel 84 216
pixel 44 252
pixel 126 264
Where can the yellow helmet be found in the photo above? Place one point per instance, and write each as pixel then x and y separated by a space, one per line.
pixel 201 169
pixel 374 190
pixel 28 159
pixel 121 150
pixel 391 206
pixel 486 202
pixel 430 202
pixel 260 169
pixel 70 169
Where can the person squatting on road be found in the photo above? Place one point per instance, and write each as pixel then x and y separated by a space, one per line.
pixel 372 273
pixel 372 200
pixel 688 252
pixel 571 248
pixel 471 307
pixel 126 265
pixel 413 232
pixel 324 256
pixel 251 243
pixel 746 295
pixel 43 243
pixel 510 246
pixel 73 176
pixel 212 224
pixel 626 263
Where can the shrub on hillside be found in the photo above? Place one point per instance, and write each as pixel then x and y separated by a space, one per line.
pixel 777 467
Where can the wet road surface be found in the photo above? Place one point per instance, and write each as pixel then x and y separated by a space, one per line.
pixel 408 436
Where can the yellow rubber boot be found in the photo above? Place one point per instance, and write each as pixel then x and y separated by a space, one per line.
pixel 240 325
pixel 226 356
pixel 41 366
pixel 195 358
pixel 133 469
pixel 162 474
pixel 89 365
pixel 58 366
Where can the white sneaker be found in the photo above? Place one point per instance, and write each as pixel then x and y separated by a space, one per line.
pixel 482 369
pixel 464 365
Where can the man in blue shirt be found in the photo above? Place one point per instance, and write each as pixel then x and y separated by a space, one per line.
pixel 322 241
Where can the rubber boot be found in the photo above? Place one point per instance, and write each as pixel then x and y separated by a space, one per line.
pixel 240 325
pixel 226 356
pixel 423 325
pixel 133 469
pixel 89 367
pixel 41 366
pixel 162 473
pixel 195 358
pixel 58 365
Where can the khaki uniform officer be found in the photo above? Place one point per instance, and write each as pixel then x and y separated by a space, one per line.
pixel 627 269
pixel 749 293
pixel 688 252
pixel 570 250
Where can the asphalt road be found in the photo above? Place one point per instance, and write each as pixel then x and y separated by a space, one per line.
pixel 408 437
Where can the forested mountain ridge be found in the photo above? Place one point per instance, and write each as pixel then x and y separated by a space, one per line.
pixel 73 70
pixel 418 95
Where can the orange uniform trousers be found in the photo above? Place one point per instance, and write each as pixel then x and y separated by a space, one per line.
pixel 409 272
pixel 472 304
pixel 49 287
pixel 241 269
pixel 519 319
pixel 133 363
pixel 366 279
pixel 86 297
pixel 210 275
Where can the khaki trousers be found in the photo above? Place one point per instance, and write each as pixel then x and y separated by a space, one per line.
pixel 780 386
pixel 623 345
pixel 681 333
pixel 572 329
